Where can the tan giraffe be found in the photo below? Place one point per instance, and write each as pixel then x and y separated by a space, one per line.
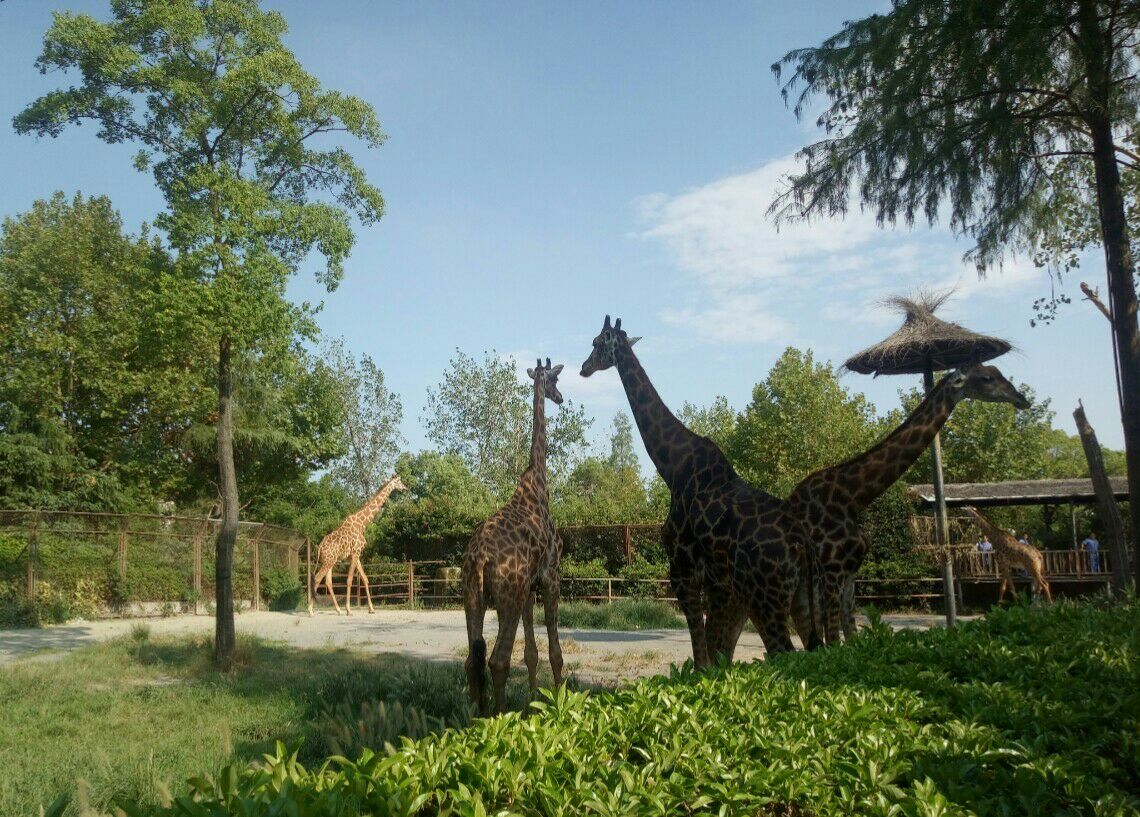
pixel 1010 553
pixel 734 553
pixel 347 542
pixel 508 553
pixel 831 501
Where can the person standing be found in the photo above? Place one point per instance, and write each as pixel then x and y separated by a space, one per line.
pixel 1091 545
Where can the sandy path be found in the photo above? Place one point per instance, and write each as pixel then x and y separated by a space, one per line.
pixel 430 634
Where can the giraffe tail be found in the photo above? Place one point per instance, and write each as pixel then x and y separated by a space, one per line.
pixel 813 640
pixel 477 671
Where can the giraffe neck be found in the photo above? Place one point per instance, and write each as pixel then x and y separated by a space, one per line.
pixel 870 474
pixel 1000 539
pixel 373 506
pixel 538 429
pixel 665 436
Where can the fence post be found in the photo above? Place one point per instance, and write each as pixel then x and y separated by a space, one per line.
pixel 123 550
pixel 610 590
pixel 628 541
pixel 33 555
pixel 256 576
pixel 411 583
pixel 309 572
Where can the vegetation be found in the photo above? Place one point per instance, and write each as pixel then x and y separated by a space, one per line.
pixel 1017 117
pixel 134 717
pixel 1032 711
pixel 623 614
pixel 226 119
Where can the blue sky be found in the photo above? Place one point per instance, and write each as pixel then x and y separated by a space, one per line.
pixel 549 163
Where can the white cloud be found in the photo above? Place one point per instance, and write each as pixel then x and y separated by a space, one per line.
pixel 751 283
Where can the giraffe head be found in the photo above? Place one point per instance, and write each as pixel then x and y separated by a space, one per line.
pixel 985 383
pixel 550 379
pixel 606 347
pixel 397 483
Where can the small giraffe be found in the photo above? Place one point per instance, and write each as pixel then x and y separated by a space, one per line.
pixel 1010 553
pixel 348 542
pixel 831 500
pixel 506 556
pixel 733 552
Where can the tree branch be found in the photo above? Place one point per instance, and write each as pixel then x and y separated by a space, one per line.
pixel 1091 295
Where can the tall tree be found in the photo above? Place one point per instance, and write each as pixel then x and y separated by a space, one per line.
pixel 622 454
pixel 371 417
pixel 800 419
pixel 226 119
pixel 980 105
pixel 482 412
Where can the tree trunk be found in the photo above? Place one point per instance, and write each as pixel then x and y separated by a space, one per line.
pixel 227 534
pixel 1117 252
pixel 1109 511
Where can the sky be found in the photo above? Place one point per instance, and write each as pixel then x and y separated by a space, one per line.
pixel 551 163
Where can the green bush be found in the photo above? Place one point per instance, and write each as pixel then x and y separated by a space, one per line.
pixel 1034 710
pixel 643 571
pixel 52 605
pixel 577 576
pixel 623 614
pixel 281 589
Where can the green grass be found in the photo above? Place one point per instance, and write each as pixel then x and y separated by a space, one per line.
pixel 1033 711
pixel 623 614
pixel 133 717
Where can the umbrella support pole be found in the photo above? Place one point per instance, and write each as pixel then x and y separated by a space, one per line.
pixel 941 536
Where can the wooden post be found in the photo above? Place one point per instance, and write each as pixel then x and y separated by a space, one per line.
pixel 411 583
pixel 940 522
pixel 309 572
pixel 609 590
pixel 257 576
pixel 1073 523
pixel 33 555
pixel 1114 542
pixel 628 541
pixel 123 550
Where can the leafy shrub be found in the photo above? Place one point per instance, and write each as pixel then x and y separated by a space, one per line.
pixel 577 576
pixel 645 575
pixel 1034 710
pixel 51 605
pixel 351 727
pixel 623 614
pixel 281 589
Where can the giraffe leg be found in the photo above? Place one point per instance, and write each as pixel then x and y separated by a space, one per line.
pixel 773 631
pixel 504 642
pixel 1006 581
pixel 364 582
pixel 832 604
pixel 686 584
pixel 530 650
pixel 849 609
pixel 551 585
pixel 348 586
pixel 474 609
pixel 722 631
pixel 317 577
pixel 329 588
pixel 1039 580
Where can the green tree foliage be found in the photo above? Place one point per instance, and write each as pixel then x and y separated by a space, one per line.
pixel 717 421
pixel 436 516
pixel 988 110
pixel 313 507
pixel 622 453
pixel 800 419
pixel 483 413
pixel 225 118
pixel 101 365
pixel 597 493
pixel 372 416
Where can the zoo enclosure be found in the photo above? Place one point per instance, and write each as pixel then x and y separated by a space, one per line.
pixel 129 558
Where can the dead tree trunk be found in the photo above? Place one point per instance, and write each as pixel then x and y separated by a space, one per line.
pixel 1109 510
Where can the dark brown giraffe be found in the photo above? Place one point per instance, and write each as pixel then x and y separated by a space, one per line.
pixel 733 553
pixel 507 555
pixel 832 500
pixel 1009 553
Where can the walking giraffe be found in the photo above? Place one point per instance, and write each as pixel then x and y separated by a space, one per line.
pixel 347 542
pixel 831 501
pixel 1009 553
pixel 506 555
pixel 733 552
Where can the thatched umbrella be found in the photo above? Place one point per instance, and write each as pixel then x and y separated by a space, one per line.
pixel 926 344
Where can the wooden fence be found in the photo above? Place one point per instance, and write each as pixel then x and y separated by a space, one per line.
pixel 138 557
pixel 972 564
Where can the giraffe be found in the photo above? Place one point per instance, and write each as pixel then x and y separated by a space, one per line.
pixel 733 551
pixel 508 553
pixel 347 542
pixel 1010 553
pixel 831 500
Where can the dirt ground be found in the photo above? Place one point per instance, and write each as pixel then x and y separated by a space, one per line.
pixel 439 635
